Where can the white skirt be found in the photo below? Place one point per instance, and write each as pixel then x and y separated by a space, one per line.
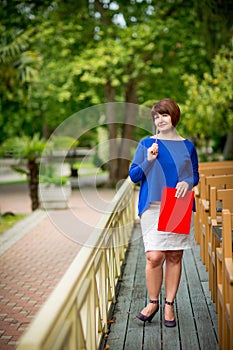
pixel 160 240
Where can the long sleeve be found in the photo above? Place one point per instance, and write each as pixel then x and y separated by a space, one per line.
pixel 140 165
pixel 177 161
pixel 194 160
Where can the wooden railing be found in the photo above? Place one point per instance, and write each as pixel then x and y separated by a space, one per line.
pixel 75 315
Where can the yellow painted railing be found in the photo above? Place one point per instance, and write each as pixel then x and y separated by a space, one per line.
pixel 75 315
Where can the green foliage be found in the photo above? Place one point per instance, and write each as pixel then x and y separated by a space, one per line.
pixel 31 148
pixel 209 106
pixel 63 63
pixel 216 24
pixel 89 139
pixel 7 220
pixel 48 175
pixel 62 142
pixel 24 147
pixel 20 170
pixel 19 69
pixel 61 57
pixel 48 172
pixel 55 180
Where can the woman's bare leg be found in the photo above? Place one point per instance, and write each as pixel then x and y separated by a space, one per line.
pixel 154 278
pixel 172 279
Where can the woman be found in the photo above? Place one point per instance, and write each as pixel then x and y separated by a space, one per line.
pixel 164 160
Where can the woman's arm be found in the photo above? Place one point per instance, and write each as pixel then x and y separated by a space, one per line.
pixel 192 176
pixel 194 160
pixel 140 165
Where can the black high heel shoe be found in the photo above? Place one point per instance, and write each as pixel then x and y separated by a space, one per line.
pixel 144 318
pixel 168 323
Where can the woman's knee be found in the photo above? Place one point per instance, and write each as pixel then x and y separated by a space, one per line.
pixel 174 256
pixel 155 258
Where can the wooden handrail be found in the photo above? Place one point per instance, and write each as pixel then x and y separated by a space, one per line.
pixel 75 315
pixel 217 163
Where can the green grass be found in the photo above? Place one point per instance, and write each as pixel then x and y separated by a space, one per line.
pixel 8 221
pixel 13 182
pixel 101 172
pixel 84 165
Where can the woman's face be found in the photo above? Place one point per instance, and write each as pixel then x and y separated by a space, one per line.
pixel 163 122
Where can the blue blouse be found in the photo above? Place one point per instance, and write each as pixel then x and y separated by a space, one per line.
pixel 177 161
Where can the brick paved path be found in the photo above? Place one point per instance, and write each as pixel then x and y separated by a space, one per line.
pixel 33 265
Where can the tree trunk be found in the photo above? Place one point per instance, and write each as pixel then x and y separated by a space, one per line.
pixel 33 182
pixel 127 131
pixel 228 148
pixel 45 131
pixel 112 130
pixel 119 158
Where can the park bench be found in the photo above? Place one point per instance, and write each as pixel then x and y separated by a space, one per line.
pixel 219 200
pixel 220 182
pixel 208 169
pixel 225 283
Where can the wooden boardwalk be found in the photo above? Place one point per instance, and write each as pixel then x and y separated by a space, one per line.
pixel 195 313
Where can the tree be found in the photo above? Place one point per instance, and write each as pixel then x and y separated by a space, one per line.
pixel 146 31
pixel 19 64
pixel 127 59
pixel 216 24
pixel 92 52
pixel 29 149
pixel 209 106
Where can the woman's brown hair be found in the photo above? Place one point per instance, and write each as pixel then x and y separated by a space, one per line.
pixel 167 106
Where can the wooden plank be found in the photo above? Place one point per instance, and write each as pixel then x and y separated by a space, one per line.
pixel 121 312
pixel 206 334
pixel 211 307
pixel 186 323
pixel 153 330
pixel 203 276
pixel 136 327
pixel 170 336
pixel 195 312
pixel 152 333
pixel 201 269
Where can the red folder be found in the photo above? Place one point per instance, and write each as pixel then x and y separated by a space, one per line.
pixel 175 213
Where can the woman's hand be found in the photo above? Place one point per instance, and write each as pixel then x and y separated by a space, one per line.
pixel 181 189
pixel 152 152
